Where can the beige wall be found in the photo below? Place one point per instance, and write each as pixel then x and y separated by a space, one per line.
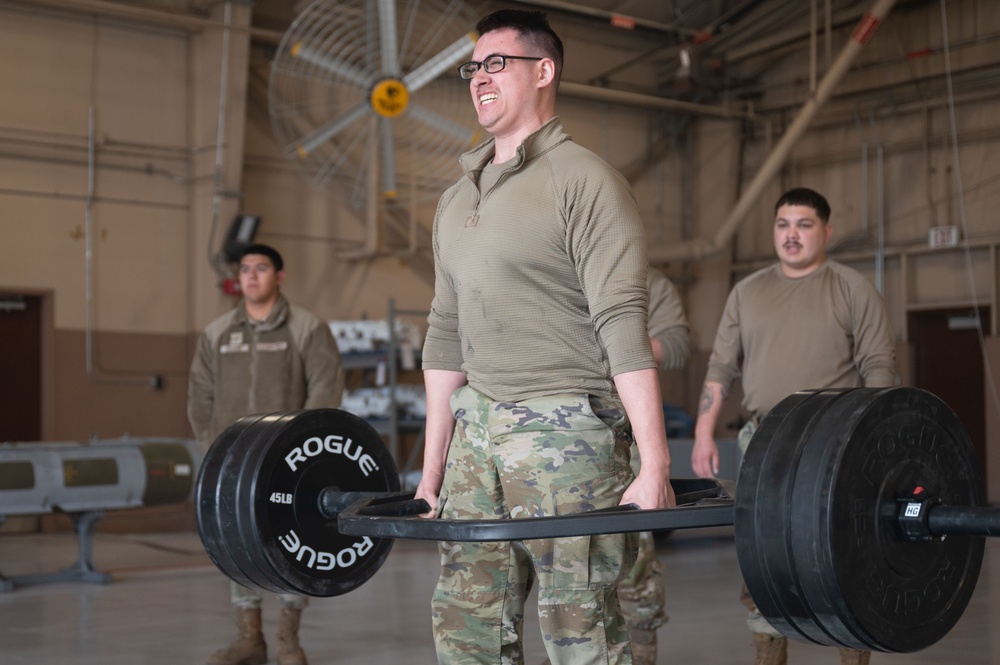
pixel 108 409
pixel 60 73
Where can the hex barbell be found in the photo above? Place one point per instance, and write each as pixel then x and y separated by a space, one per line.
pixel 845 502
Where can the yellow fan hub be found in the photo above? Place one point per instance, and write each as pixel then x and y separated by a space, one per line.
pixel 389 97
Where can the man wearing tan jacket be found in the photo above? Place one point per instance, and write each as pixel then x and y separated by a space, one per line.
pixel 263 356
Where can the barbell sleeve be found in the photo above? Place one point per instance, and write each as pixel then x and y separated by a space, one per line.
pixel 964 520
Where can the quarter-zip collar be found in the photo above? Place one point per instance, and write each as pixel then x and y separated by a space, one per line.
pixel 543 139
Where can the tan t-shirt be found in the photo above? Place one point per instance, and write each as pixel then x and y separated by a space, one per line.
pixel 828 329
pixel 667 322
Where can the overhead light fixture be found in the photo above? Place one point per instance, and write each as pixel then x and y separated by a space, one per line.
pixel 684 71
pixel 241 234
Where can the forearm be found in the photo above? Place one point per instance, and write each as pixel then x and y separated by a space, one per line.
pixel 640 394
pixel 705 453
pixel 713 394
pixel 439 386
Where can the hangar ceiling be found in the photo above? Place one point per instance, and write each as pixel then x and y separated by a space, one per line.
pixel 715 53
pixel 708 52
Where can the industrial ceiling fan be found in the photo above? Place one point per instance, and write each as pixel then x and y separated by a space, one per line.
pixel 365 98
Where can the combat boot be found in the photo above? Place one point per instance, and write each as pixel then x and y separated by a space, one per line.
pixel 249 647
pixel 770 650
pixel 643 646
pixel 289 650
pixel 854 656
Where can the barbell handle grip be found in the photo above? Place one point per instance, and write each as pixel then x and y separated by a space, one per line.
pixel 396 516
pixel 688 490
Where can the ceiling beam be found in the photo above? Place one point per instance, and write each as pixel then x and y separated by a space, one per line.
pixel 700 248
pixel 612 18
pixel 649 102
pixel 189 22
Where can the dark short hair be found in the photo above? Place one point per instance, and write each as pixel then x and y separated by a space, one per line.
pixel 803 196
pixel 532 26
pixel 264 250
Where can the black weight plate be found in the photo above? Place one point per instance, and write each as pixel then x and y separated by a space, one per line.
pixel 243 536
pixel 866 586
pixel 829 429
pixel 763 511
pixel 237 567
pixel 302 455
pixel 218 540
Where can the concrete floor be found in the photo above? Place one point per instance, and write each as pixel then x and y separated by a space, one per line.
pixel 167 604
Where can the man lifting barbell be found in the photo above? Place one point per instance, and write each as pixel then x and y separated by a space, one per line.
pixel 537 364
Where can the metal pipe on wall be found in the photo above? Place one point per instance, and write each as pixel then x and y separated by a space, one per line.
pixel 928 168
pixel 813 43
pixel 215 260
pixel 864 174
pixel 702 248
pixel 880 205
pixel 828 33
pixel 155 381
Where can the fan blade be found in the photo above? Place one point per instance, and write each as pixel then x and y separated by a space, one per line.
pixel 387 37
pixel 442 124
pixel 388 158
pixel 325 62
pixel 335 163
pixel 451 56
pixel 328 130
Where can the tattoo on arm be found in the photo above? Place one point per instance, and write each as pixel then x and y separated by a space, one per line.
pixel 706 401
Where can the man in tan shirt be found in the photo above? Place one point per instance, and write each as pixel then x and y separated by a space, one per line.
pixel 806 322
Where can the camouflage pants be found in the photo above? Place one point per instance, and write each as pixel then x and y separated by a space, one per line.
pixel 246 598
pixel 548 456
pixel 642 593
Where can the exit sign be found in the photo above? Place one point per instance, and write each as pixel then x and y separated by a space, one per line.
pixel 943 236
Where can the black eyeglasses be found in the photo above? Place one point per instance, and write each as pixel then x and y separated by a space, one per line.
pixel 492 64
